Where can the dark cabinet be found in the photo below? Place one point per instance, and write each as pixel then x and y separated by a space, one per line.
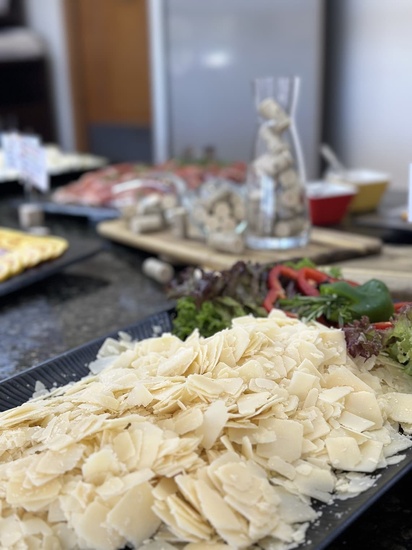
pixel 25 90
pixel 25 98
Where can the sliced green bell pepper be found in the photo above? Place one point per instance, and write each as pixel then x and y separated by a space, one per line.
pixel 372 299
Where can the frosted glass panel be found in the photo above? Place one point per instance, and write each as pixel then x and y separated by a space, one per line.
pixel 214 50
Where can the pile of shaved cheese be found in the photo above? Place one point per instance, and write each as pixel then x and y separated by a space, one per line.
pixel 227 440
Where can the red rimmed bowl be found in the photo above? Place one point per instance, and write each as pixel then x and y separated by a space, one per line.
pixel 329 202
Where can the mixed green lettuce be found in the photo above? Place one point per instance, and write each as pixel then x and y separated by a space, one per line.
pixel 397 340
pixel 209 300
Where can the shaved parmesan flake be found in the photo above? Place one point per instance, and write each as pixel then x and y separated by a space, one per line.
pixel 214 420
pixel 399 406
pixel 136 502
pixel 344 452
pixel 219 442
pixel 90 528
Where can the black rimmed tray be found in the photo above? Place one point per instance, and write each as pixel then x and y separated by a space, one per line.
pixel 73 365
pixel 77 251
pixel 94 213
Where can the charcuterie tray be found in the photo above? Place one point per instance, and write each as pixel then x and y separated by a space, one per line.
pixel 94 213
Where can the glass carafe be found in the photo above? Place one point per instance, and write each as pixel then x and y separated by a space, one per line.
pixel 277 208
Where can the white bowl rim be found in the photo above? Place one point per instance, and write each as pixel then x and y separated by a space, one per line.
pixel 323 189
pixel 361 176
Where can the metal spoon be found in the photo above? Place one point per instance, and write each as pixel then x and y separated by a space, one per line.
pixel 332 159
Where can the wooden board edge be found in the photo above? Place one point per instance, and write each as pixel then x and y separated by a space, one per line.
pixel 346 240
pixel 116 230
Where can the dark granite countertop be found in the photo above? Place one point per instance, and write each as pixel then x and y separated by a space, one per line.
pixel 107 292
pixel 84 301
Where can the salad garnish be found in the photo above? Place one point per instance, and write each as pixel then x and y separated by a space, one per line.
pixel 372 322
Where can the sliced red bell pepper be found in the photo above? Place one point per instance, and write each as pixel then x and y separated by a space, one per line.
pixel 308 280
pixel 351 283
pixel 272 297
pixel 276 290
pixel 400 305
pixel 281 270
pixel 382 325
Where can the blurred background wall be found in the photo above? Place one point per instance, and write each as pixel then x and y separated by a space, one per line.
pixel 368 84
pixel 47 19
pixel 213 50
pixel 366 89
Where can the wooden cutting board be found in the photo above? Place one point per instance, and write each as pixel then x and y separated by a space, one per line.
pixel 326 245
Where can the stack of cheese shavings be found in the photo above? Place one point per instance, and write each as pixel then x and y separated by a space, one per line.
pixel 224 440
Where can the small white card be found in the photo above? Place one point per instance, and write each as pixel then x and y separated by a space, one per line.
pixel 10 144
pixel 33 162
pixel 26 154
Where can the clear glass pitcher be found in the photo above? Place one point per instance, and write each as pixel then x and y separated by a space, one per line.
pixel 277 207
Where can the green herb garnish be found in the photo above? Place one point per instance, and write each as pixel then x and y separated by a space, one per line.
pixel 310 308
